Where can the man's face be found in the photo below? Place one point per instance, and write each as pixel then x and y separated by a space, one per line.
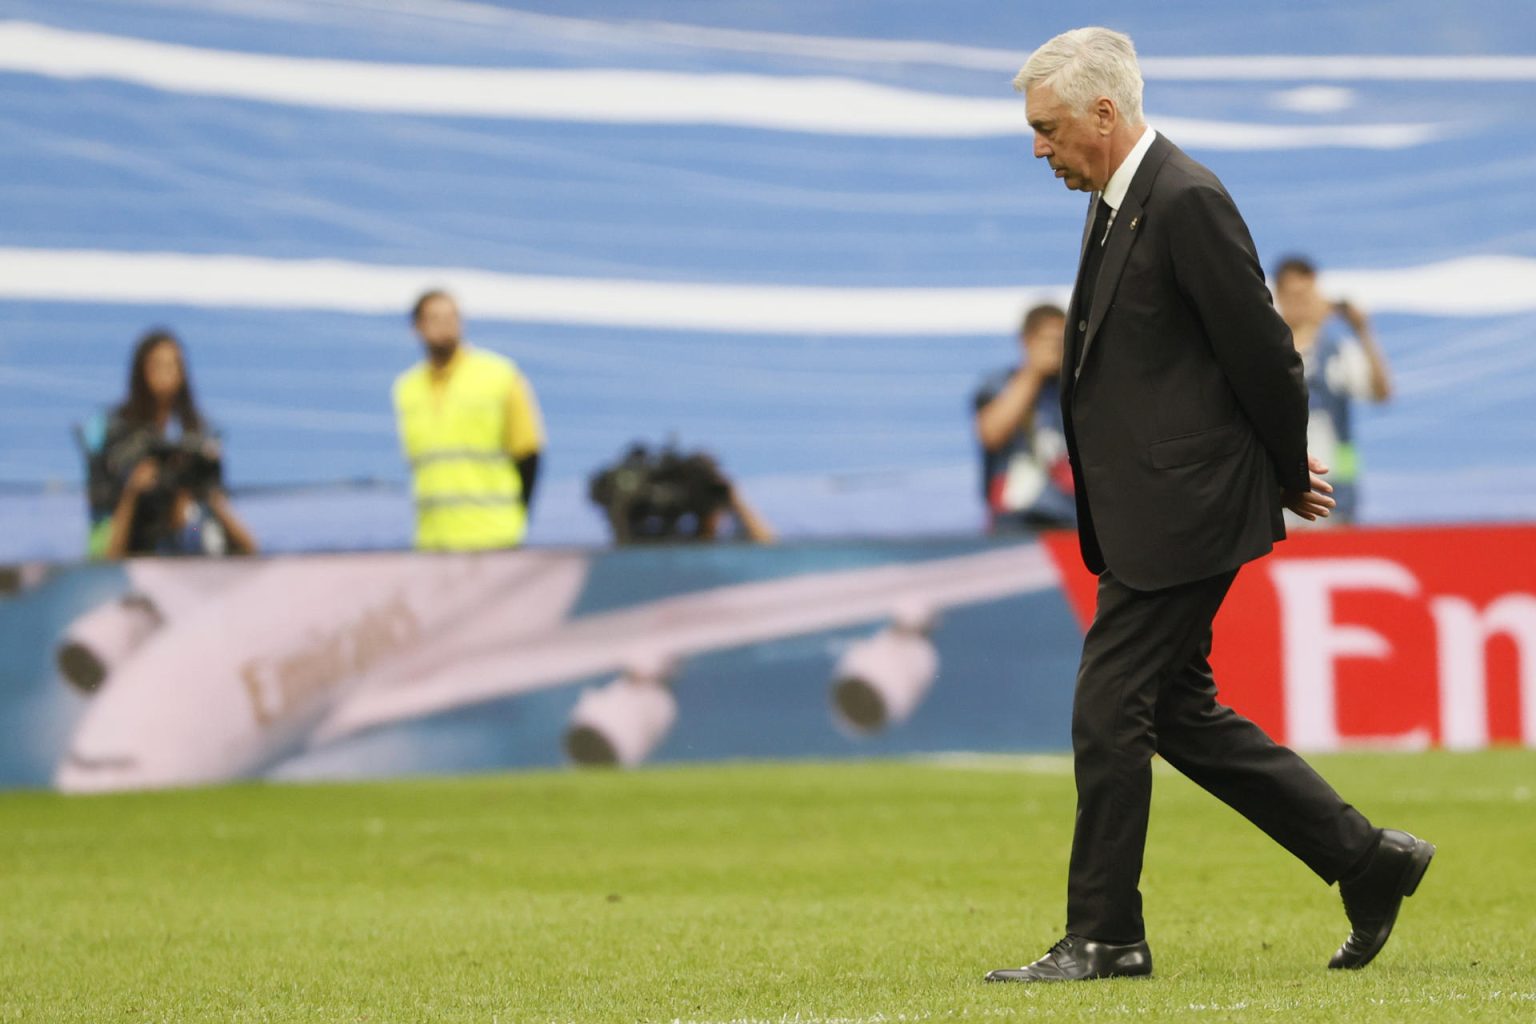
pixel 1044 346
pixel 438 324
pixel 1070 141
pixel 1298 299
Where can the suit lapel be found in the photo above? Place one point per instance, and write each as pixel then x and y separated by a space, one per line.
pixel 1093 211
pixel 1117 248
pixel 1123 233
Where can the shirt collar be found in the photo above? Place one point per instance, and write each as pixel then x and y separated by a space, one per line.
pixel 1120 181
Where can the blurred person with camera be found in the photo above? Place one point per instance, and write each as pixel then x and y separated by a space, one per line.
pixel 1343 364
pixel 471 430
pixel 737 519
pixel 654 497
pixel 1026 478
pixel 158 466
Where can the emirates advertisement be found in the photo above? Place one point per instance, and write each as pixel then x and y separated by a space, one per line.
pixel 1375 637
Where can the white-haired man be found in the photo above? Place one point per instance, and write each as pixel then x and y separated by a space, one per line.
pixel 1186 422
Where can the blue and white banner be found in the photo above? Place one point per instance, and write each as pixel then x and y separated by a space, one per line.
pixel 797 234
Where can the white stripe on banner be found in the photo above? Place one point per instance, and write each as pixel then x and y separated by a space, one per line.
pixel 1474 286
pixel 823 105
pixel 853 50
pixel 337 285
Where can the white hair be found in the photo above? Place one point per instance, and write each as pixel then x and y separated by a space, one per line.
pixel 1084 64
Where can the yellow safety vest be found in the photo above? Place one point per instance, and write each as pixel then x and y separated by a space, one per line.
pixel 468 494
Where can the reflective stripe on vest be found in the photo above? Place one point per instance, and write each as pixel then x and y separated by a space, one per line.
pixel 468 494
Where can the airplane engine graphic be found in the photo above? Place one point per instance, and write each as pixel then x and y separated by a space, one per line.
pixel 880 681
pixel 19 578
pixel 238 679
pixel 104 638
pixel 101 642
pixel 626 720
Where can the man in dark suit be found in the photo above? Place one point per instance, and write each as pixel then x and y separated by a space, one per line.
pixel 1186 422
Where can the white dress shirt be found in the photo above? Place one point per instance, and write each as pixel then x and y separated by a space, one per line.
pixel 1120 181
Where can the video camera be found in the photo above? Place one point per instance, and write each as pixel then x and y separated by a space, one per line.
pixel 190 463
pixel 660 496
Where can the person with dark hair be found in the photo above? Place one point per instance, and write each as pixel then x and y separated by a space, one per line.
pixel 471 431
pixel 1026 480
pixel 1343 365
pixel 159 462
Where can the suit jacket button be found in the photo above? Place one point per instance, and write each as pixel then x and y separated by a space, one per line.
pixel 1082 325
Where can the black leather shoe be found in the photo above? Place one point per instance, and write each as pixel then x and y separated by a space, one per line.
pixel 1075 958
pixel 1373 897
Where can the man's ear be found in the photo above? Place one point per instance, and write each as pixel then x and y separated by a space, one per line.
pixel 1105 116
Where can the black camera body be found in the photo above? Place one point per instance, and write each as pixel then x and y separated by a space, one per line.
pixel 666 495
pixel 191 463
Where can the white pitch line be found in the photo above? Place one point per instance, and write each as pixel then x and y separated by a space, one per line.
pixel 1004 764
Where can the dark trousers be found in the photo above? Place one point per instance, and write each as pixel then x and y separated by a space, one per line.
pixel 1145 687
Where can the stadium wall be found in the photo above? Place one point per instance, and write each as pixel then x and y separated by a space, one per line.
pixel 172 673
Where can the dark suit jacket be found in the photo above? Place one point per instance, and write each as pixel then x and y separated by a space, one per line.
pixel 1188 412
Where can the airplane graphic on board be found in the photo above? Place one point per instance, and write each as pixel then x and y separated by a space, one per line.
pixel 210 671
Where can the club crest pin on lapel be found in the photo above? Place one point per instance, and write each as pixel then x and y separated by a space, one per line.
pixel 1134 221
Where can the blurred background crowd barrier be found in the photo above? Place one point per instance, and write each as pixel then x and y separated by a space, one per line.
pixel 170 672
pixel 795 234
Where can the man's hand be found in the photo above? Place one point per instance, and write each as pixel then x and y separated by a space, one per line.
pixel 1353 315
pixel 143 479
pixel 1314 504
pixel 1045 353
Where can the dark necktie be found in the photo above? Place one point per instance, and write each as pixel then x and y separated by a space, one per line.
pixel 1088 273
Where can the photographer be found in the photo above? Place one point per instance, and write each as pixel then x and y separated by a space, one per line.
pixel 1026 479
pixel 160 462
pixel 1343 364
pixel 668 496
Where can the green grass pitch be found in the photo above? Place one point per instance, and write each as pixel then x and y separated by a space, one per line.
pixel 862 893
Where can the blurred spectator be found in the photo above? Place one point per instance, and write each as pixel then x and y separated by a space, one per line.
pixel 737 520
pixel 154 467
pixel 1343 364
pixel 1025 476
pixel 471 431
pixel 668 496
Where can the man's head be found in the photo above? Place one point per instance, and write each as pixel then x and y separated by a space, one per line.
pixel 1042 335
pixel 1296 292
pixel 1082 94
pixel 436 319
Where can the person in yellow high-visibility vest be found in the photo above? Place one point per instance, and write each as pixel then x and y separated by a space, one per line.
pixel 471 431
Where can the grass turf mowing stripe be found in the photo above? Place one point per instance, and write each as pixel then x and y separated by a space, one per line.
pixel 807 892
